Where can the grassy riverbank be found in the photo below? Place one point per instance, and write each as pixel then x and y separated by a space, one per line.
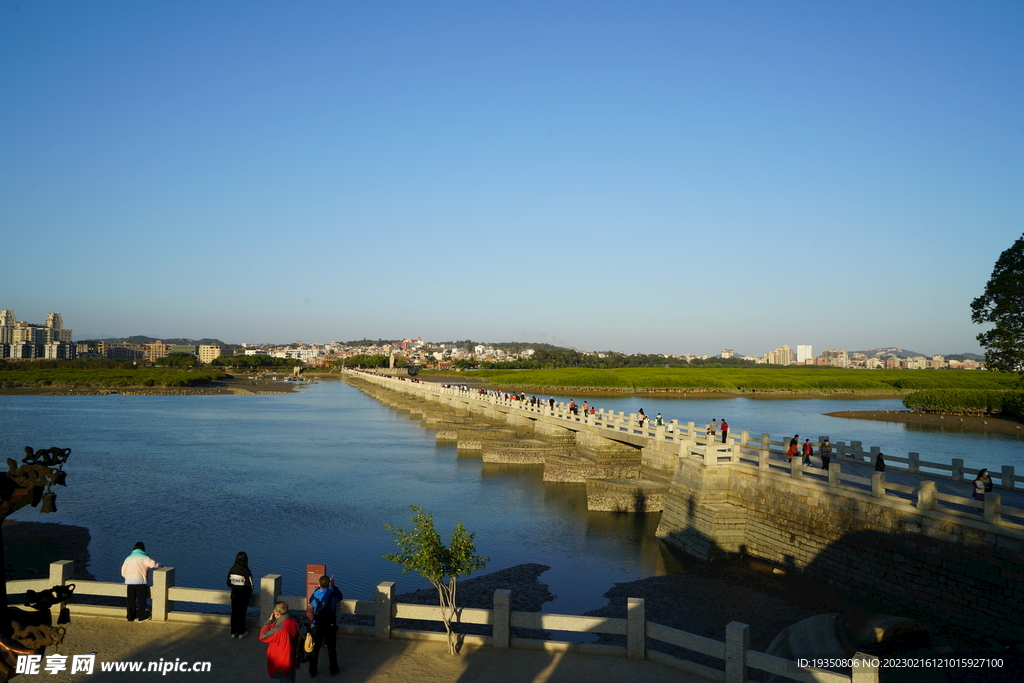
pixel 742 381
pixel 144 381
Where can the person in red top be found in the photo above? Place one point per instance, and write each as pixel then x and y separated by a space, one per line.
pixel 808 450
pixel 725 430
pixel 281 634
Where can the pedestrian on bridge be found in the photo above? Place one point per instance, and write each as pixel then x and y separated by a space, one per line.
pixel 725 430
pixel 808 451
pixel 712 430
pixel 826 453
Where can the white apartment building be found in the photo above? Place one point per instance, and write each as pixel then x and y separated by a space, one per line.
pixel 804 353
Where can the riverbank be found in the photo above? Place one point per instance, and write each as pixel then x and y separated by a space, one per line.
pixel 958 423
pixel 225 387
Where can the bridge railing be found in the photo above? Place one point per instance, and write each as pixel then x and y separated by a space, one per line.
pixel 734 653
pixel 924 496
pixel 992 510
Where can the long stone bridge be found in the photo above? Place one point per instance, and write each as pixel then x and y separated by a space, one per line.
pixel 910 537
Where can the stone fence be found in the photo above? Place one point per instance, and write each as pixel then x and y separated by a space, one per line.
pixel 735 654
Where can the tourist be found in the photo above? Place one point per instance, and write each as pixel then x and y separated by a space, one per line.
pixel 658 421
pixel 281 634
pixel 982 485
pixel 826 453
pixel 808 451
pixel 135 570
pixel 324 602
pixel 551 403
pixel 793 449
pixel 572 407
pixel 641 417
pixel 585 412
pixel 712 430
pixel 240 583
pixel 879 462
pixel 725 430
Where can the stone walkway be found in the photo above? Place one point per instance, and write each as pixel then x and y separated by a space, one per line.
pixel 363 660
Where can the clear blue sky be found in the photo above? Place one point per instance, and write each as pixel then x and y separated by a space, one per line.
pixel 647 177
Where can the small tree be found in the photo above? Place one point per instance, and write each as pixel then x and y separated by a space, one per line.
pixel 422 551
pixel 1002 304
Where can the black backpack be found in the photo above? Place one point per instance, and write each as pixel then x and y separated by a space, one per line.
pixel 323 614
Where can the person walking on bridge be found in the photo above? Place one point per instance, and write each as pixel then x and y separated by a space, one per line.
pixel 826 453
pixel 793 448
pixel 808 451
pixel 712 430
pixel 725 430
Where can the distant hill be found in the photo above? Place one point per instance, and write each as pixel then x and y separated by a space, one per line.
pixel 140 339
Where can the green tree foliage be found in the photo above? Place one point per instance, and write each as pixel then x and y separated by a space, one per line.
pixel 365 360
pixel 421 550
pixel 1002 305
pixel 178 360
pixel 1000 403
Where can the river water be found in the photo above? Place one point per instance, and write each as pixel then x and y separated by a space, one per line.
pixel 312 476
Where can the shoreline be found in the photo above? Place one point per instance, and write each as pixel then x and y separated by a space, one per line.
pixel 942 421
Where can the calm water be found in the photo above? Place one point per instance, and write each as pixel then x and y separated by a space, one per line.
pixel 311 477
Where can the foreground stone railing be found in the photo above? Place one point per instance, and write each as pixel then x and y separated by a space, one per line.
pixel 735 653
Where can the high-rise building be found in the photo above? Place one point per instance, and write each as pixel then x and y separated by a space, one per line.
pixel 780 356
pixel 803 353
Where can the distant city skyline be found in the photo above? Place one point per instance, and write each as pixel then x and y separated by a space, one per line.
pixel 668 178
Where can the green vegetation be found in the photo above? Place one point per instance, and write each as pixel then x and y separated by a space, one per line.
pixel 998 403
pixel 254 362
pixel 365 360
pixel 1002 304
pixel 421 550
pixel 747 380
pixel 106 378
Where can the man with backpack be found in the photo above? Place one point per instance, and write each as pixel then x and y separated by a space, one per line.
pixel 324 602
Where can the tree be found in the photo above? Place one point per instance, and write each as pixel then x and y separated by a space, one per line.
pixel 1002 304
pixel 421 550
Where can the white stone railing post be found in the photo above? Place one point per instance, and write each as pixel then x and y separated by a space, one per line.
pixel 502 614
pixel 60 574
pixel 834 470
pixel 866 670
pixel 710 455
pixel 636 629
pixel 993 502
pixel 878 484
pixel 926 495
pixel 270 589
pixel 1008 477
pixel 914 462
pixel 856 451
pixel 958 469
pixel 744 437
pixel 737 642
pixel 734 452
pixel 384 612
pixel 163 579
pixel 762 458
pixel 796 467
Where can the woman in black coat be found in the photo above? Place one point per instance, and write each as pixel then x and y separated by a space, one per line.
pixel 240 583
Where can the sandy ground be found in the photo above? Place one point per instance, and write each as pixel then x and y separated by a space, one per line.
pixel 956 423
pixel 361 659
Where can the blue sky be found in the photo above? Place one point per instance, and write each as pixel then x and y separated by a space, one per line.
pixel 676 177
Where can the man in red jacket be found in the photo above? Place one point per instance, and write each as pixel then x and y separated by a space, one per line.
pixel 281 634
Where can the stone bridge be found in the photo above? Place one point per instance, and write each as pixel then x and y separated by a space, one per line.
pixel 910 537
